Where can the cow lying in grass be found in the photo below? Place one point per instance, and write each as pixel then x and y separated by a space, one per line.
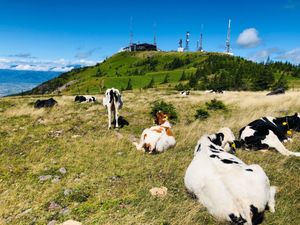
pixel 157 138
pixel 112 100
pixel 185 93
pixel 269 133
pixel 230 189
pixel 45 103
pixel 84 99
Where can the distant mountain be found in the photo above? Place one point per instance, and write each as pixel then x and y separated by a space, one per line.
pixel 24 76
pixel 16 81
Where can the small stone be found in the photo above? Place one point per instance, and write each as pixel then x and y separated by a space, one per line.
pixel 119 153
pixel 64 211
pixel 24 212
pixel 54 206
pixel 56 179
pixel 52 222
pixel 159 192
pixel 67 192
pixel 71 222
pixel 62 170
pixel 45 177
pixel 132 138
pixel 76 136
pixel 119 135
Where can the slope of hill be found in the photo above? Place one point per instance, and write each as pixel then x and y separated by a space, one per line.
pixel 208 70
pixel 63 163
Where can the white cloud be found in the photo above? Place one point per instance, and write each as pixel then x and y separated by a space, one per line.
pixel 292 56
pixel 276 54
pixel 249 38
pixel 262 55
pixel 60 65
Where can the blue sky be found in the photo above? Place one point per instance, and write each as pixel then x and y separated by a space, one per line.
pixel 57 35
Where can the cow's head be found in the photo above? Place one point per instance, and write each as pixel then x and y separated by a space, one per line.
pixel 226 139
pixel 295 122
pixel 161 117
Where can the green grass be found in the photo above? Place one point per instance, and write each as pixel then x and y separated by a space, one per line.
pixel 108 178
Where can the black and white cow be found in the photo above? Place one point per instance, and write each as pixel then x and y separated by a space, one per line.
pixel 112 100
pixel 84 99
pixel 269 133
pixel 230 189
pixel 45 103
pixel 185 93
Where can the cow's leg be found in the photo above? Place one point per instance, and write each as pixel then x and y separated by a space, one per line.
pixel 116 116
pixel 273 142
pixel 109 117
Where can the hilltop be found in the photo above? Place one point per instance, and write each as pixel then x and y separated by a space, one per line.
pixel 197 70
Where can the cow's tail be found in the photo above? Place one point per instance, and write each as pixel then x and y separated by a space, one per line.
pixel 271 202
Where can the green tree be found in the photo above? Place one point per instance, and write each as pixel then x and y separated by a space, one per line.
pixel 129 85
pixel 183 76
pixel 167 79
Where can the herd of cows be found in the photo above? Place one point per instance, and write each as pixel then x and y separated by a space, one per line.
pixel 230 189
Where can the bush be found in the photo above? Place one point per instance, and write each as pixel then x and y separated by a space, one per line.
pixel 151 84
pixel 165 108
pixel 215 105
pixel 201 114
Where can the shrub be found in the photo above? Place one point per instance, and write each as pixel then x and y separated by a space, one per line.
pixel 215 105
pixel 151 84
pixel 201 114
pixel 165 108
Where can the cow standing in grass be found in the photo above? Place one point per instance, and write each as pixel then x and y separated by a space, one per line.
pixel 230 189
pixel 112 100
pixel 269 133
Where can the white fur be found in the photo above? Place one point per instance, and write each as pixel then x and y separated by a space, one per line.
pixel 227 188
pixel 158 141
pixel 113 106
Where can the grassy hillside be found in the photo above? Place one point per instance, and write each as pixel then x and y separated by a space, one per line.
pixel 214 69
pixel 107 181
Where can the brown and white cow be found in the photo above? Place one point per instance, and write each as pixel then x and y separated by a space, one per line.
pixel 157 138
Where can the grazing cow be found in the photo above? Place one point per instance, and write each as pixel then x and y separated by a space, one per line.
pixel 278 91
pixel 84 99
pixel 185 93
pixel 217 90
pixel 45 103
pixel 230 189
pixel 157 138
pixel 270 132
pixel 112 100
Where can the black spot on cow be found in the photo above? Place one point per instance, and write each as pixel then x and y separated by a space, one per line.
pixel 228 161
pixel 257 217
pixel 45 103
pixel 250 170
pixel 214 149
pixel 236 220
pixel 199 148
pixel 218 140
pixel 214 156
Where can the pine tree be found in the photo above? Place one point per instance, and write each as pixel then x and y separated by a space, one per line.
pixel 167 79
pixel 183 76
pixel 129 85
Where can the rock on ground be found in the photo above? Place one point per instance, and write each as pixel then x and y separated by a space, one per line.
pixel 159 192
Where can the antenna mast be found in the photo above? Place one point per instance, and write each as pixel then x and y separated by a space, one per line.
pixel 187 40
pixel 228 49
pixel 154 39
